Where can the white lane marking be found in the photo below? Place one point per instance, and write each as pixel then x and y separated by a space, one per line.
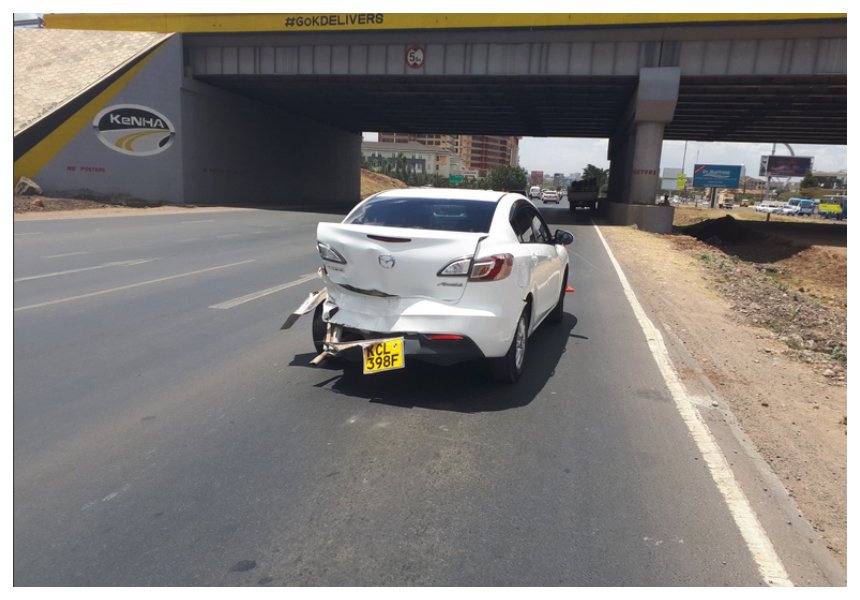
pixel 769 565
pixel 65 255
pixel 122 263
pixel 225 236
pixel 583 259
pixel 32 233
pixel 133 285
pixel 200 221
pixel 266 292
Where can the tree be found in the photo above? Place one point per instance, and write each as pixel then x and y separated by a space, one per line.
pixel 400 167
pixel 508 178
pixel 597 175
pixel 593 173
pixel 810 181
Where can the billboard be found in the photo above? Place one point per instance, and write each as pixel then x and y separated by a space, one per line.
pixel 717 176
pixel 785 166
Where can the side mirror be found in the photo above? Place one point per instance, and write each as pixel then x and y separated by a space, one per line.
pixel 565 238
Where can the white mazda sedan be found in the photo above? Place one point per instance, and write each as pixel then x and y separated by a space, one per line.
pixel 439 275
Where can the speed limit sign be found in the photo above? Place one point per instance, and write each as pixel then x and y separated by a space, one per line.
pixel 415 57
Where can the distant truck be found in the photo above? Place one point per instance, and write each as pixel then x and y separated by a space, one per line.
pixel 534 192
pixel 582 194
pixel 727 201
pixel 833 207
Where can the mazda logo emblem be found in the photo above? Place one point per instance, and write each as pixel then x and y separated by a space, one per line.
pixel 386 261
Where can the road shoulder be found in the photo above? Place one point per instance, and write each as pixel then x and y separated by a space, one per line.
pixel 793 417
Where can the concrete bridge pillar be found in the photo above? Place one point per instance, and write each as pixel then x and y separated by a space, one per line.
pixel 655 102
pixel 635 150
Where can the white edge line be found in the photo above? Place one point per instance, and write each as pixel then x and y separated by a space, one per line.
pixel 254 295
pixel 769 564
pixel 133 285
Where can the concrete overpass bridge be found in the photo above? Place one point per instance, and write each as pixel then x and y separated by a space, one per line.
pixel 280 100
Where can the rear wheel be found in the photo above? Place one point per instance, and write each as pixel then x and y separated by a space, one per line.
pixel 318 329
pixel 557 313
pixel 509 367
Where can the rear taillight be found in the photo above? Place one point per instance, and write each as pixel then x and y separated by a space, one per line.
pixel 492 268
pixel 330 254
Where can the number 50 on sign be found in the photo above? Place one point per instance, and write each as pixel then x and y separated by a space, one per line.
pixel 415 57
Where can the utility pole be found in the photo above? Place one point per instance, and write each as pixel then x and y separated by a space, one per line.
pixel 767 185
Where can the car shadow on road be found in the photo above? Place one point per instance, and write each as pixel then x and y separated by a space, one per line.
pixel 466 387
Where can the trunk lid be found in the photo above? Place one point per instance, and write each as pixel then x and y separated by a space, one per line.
pixel 396 261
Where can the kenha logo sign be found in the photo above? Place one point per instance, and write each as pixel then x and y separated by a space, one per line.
pixel 134 130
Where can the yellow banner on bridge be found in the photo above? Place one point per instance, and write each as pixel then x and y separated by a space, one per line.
pixel 232 23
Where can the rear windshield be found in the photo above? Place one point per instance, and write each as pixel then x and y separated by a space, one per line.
pixel 426 213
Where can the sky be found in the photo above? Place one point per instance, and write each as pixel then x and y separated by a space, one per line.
pixel 567 155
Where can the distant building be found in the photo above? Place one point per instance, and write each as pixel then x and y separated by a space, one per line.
pixel 832 181
pixel 419 159
pixel 536 178
pixel 752 184
pixel 480 153
pixel 486 153
pixel 448 142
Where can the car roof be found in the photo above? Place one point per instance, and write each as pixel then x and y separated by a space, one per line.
pixel 447 193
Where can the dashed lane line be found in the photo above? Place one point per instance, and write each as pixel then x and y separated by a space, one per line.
pixel 254 295
pixel 65 255
pixel 132 285
pixel 122 263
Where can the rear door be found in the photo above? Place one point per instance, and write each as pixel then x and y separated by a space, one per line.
pixel 545 273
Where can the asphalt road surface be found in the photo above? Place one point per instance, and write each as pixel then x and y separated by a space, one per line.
pixel 168 433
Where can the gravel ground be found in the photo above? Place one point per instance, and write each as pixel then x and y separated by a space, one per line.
pixel 765 318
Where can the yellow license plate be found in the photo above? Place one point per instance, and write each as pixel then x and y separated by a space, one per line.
pixel 383 356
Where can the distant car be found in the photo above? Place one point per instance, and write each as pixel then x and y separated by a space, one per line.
pixel 767 207
pixel 805 206
pixel 788 209
pixel 548 196
pixel 534 192
pixel 439 275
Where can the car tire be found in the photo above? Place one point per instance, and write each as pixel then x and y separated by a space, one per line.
pixel 509 367
pixel 318 329
pixel 557 313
